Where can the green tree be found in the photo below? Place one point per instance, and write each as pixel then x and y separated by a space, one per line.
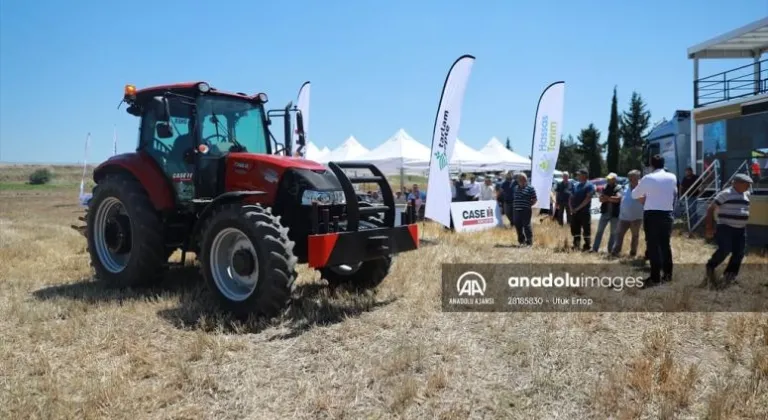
pixel 568 158
pixel 612 142
pixel 509 144
pixel 635 123
pixel 591 150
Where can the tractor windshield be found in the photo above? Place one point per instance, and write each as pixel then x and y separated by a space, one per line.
pixel 231 125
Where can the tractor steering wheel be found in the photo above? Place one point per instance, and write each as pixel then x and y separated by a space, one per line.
pixel 224 138
pixel 223 141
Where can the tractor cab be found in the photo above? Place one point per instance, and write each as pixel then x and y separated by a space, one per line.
pixel 189 129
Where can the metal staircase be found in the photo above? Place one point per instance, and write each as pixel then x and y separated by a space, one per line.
pixel 700 195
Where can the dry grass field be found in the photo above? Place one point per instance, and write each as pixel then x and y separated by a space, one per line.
pixel 71 349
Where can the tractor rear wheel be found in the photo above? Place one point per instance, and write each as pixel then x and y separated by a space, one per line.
pixel 247 260
pixel 125 234
pixel 361 276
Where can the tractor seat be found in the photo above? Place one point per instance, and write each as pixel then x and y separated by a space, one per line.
pixel 181 145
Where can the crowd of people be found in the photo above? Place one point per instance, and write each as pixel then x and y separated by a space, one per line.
pixel 648 202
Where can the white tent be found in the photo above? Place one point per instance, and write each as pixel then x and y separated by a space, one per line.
pixel 400 154
pixel 499 158
pixel 351 149
pixel 468 159
pixel 325 150
pixel 312 152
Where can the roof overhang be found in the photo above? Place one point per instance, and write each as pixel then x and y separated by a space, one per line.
pixel 732 109
pixel 746 42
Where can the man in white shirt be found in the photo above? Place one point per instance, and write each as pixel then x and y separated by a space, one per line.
pixel 658 192
pixel 488 191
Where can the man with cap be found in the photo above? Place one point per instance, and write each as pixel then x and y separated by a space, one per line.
pixel 659 190
pixel 579 207
pixel 732 208
pixel 610 199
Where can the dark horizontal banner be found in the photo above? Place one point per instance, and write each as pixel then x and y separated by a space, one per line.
pixel 597 288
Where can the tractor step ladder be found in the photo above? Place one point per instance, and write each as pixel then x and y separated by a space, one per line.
pixel 699 195
pixel 695 214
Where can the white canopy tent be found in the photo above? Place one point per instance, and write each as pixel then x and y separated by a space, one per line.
pixel 350 149
pixel 312 152
pixel 467 159
pixel 499 158
pixel 400 154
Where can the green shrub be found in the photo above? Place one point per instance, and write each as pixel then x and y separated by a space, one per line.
pixel 40 177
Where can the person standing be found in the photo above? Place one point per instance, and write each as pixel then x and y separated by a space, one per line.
pixel 688 180
pixel 508 193
pixel 487 191
pixel 417 198
pixel 630 217
pixel 660 191
pixel 473 189
pixel 563 191
pixel 525 199
pixel 499 205
pixel 609 212
pixel 689 202
pixel 732 208
pixel 461 189
pixel 579 207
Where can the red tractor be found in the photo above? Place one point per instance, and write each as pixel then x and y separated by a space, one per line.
pixel 209 177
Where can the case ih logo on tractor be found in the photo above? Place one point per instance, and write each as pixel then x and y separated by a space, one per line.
pixel 248 228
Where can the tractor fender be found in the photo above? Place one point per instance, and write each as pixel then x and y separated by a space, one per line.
pixel 227 197
pixel 142 167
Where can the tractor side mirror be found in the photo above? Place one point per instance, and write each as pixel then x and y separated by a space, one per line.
pixel 162 109
pixel 300 129
pixel 164 130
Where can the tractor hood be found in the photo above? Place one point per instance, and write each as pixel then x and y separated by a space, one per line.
pixel 304 180
pixel 283 162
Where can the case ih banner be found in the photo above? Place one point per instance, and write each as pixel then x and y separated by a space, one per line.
pixel 473 216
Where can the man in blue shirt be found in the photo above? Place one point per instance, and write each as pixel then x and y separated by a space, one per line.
pixel 417 198
pixel 630 216
pixel 525 199
pixel 579 206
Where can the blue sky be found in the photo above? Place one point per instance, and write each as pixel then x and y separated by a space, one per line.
pixel 375 67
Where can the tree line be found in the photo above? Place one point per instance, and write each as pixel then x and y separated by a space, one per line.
pixel 623 144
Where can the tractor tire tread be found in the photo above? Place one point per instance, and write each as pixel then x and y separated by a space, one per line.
pixel 147 260
pixel 274 289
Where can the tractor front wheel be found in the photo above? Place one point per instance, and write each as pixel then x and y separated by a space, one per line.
pixel 125 234
pixel 247 260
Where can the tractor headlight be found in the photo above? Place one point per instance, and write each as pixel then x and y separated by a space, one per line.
pixel 323 198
